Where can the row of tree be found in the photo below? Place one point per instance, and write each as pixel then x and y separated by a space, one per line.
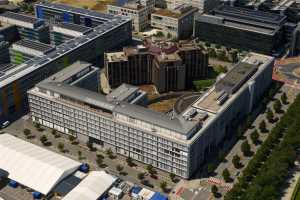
pixel 267 171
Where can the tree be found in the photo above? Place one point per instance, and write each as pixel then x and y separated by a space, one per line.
pixel 141 176
pixel 283 98
pixel 61 146
pixel 270 115
pixel 245 148
pixel 151 170
pixel 43 139
pixel 79 154
pixel 214 190
pixel 37 125
pixel 172 176
pixel 53 131
pixel 129 161
pixel 119 168
pixel 236 161
pixel 164 186
pixel 89 145
pixel 110 153
pixel 210 168
pixel 72 138
pixel 226 175
pixel 277 106
pixel 221 156
pixel 254 137
pixel 262 126
pixel 27 132
pixel 99 162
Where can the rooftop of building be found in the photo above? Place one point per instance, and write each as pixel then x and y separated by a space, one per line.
pixel 178 12
pixel 249 14
pixel 73 27
pixel 20 17
pixel 122 92
pixel 81 11
pixel 101 102
pixel 68 72
pixel 134 5
pixel 225 88
pixel 163 51
pixel 116 56
pixel 34 45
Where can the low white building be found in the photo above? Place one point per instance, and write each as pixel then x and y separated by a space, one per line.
pixel 33 166
pixel 95 185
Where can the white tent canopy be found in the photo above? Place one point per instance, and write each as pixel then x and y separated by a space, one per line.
pixel 33 166
pixel 92 187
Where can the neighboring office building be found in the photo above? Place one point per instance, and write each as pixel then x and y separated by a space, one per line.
pixel 4 51
pixel 62 13
pixel 62 32
pixel 169 66
pixel 113 32
pixel 137 12
pixel 242 28
pixel 180 143
pixel 176 23
pixel 25 50
pixel 202 5
pixel 28 27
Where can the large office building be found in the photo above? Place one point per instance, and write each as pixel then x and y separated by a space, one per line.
pixel 28 27
pixel 111 32
pixel 180 142
pixel 169 66
pixel 242 29
pixel 177 23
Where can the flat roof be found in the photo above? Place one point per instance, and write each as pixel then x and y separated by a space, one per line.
pixel 116 56
pixel 174 13
pixel 122 92
pixel 239 74
pixel 33 166
pixel 68 72
pixel 92 187
pixel 249 14
pixel 35 45
pixel 81 11
pixel 73 27
pixel 20 17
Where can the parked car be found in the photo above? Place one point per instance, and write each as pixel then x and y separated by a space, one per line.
pixel 5 124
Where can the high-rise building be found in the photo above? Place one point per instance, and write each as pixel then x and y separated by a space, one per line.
pixel 179 142
pixel 242 28
pixel 169 66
